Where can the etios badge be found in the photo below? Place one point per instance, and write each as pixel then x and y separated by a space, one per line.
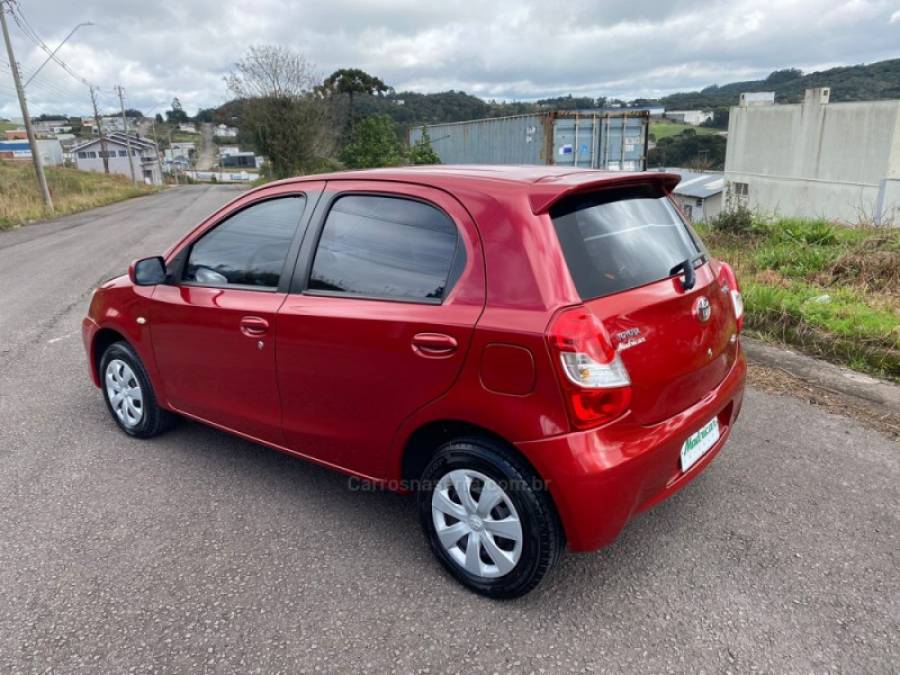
pixel 702 308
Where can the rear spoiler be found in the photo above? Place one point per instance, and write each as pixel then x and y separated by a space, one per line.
pixel 547 191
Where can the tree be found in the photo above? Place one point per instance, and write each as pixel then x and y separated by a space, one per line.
pixel 176 114
pixel 158 118
pixel 374 143
pixel 689 149
pixel 421 152
pixel 785 75
pixel 352 81
pixel 286 121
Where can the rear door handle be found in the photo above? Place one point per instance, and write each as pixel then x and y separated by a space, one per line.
pixel 254 326
pixel 434 344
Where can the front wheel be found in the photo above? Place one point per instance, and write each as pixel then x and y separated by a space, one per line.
pixel 488 518
pixel 128 393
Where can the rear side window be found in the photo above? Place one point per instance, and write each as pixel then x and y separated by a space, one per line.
pixel 386 247
pixel 614 240
pixel 248 248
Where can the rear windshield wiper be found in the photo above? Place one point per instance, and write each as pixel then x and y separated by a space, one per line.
pixel 687 266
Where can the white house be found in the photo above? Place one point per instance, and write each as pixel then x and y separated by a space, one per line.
pixel 187 127
pixel 223 131
pixel 699 194
pixel 89 157
pixel 816 159
pixel 112 123
pixel 179 156
pixel 694 117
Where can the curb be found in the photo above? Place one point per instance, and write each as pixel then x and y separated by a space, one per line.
pixel 865 389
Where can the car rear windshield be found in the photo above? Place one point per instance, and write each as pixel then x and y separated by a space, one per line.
pixel 614 240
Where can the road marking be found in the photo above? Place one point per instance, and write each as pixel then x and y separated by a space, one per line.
pixel 61 337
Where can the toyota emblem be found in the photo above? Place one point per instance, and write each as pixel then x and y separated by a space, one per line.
pixel 702 308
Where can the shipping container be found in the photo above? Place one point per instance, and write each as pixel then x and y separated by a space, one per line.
pixel 612 140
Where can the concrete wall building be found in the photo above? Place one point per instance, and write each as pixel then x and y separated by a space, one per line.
pixel 240 160
pixel 694 117
pixel 88 157
pixel 816 159
pixel 20 150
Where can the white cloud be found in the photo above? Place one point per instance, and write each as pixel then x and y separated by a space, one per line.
pixel 503 49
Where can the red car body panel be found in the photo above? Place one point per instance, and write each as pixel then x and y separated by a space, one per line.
pixel 347 382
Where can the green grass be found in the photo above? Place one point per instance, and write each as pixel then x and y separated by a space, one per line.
pixel 664 129
pixel 831 290
pixel 71 190
pixel 186 137
pixel 6 125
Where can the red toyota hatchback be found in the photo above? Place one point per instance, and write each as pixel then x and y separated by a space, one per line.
pixel 538 353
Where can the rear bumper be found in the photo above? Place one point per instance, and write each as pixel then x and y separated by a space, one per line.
pixel 601 478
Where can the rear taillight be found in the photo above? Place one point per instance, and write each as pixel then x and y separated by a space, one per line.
pixel 730 283
pixel 595 382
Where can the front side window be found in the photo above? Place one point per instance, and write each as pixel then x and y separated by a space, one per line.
pixel 386 247
pixel 248 248
pixel 615 240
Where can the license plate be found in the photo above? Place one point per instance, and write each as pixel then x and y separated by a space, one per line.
pixel 699 443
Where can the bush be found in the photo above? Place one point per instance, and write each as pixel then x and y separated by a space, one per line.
pixel 809 232
pixel 735 220
pixel 421 152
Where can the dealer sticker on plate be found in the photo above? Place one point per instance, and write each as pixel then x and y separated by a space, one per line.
pixel 699 443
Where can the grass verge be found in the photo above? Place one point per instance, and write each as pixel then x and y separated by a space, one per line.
pixel 72 191
pixel 665 129
pixel 831 290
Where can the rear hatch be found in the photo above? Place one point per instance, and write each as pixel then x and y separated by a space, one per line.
pixel 623 247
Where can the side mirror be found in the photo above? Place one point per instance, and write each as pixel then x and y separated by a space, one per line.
pixel 148 271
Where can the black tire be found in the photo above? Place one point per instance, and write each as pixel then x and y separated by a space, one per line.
pixel 542 536
pixel 153 420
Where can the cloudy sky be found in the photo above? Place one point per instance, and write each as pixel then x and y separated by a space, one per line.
pixel 519 49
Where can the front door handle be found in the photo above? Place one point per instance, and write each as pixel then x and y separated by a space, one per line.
pixel 434 344
pixel 254 326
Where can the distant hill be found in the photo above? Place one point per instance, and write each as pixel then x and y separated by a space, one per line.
pixel 848 83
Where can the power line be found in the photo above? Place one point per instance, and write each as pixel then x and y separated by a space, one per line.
pixel 26 117
pixel 29 32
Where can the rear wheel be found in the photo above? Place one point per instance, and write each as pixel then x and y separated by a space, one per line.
pixel 128 393
pixel 488 518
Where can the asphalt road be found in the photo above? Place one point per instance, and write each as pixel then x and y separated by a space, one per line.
pixel 201 552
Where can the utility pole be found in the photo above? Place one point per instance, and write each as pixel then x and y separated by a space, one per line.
pixel 103 151
pixel 121 93
pixel 174 167
pixel 29 130
pixel 159 154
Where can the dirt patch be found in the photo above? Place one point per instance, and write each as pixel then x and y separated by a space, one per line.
pixel 778 381
pixel 772 278
pixel 875 270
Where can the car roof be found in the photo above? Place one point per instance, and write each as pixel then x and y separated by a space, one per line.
pixel 543 185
